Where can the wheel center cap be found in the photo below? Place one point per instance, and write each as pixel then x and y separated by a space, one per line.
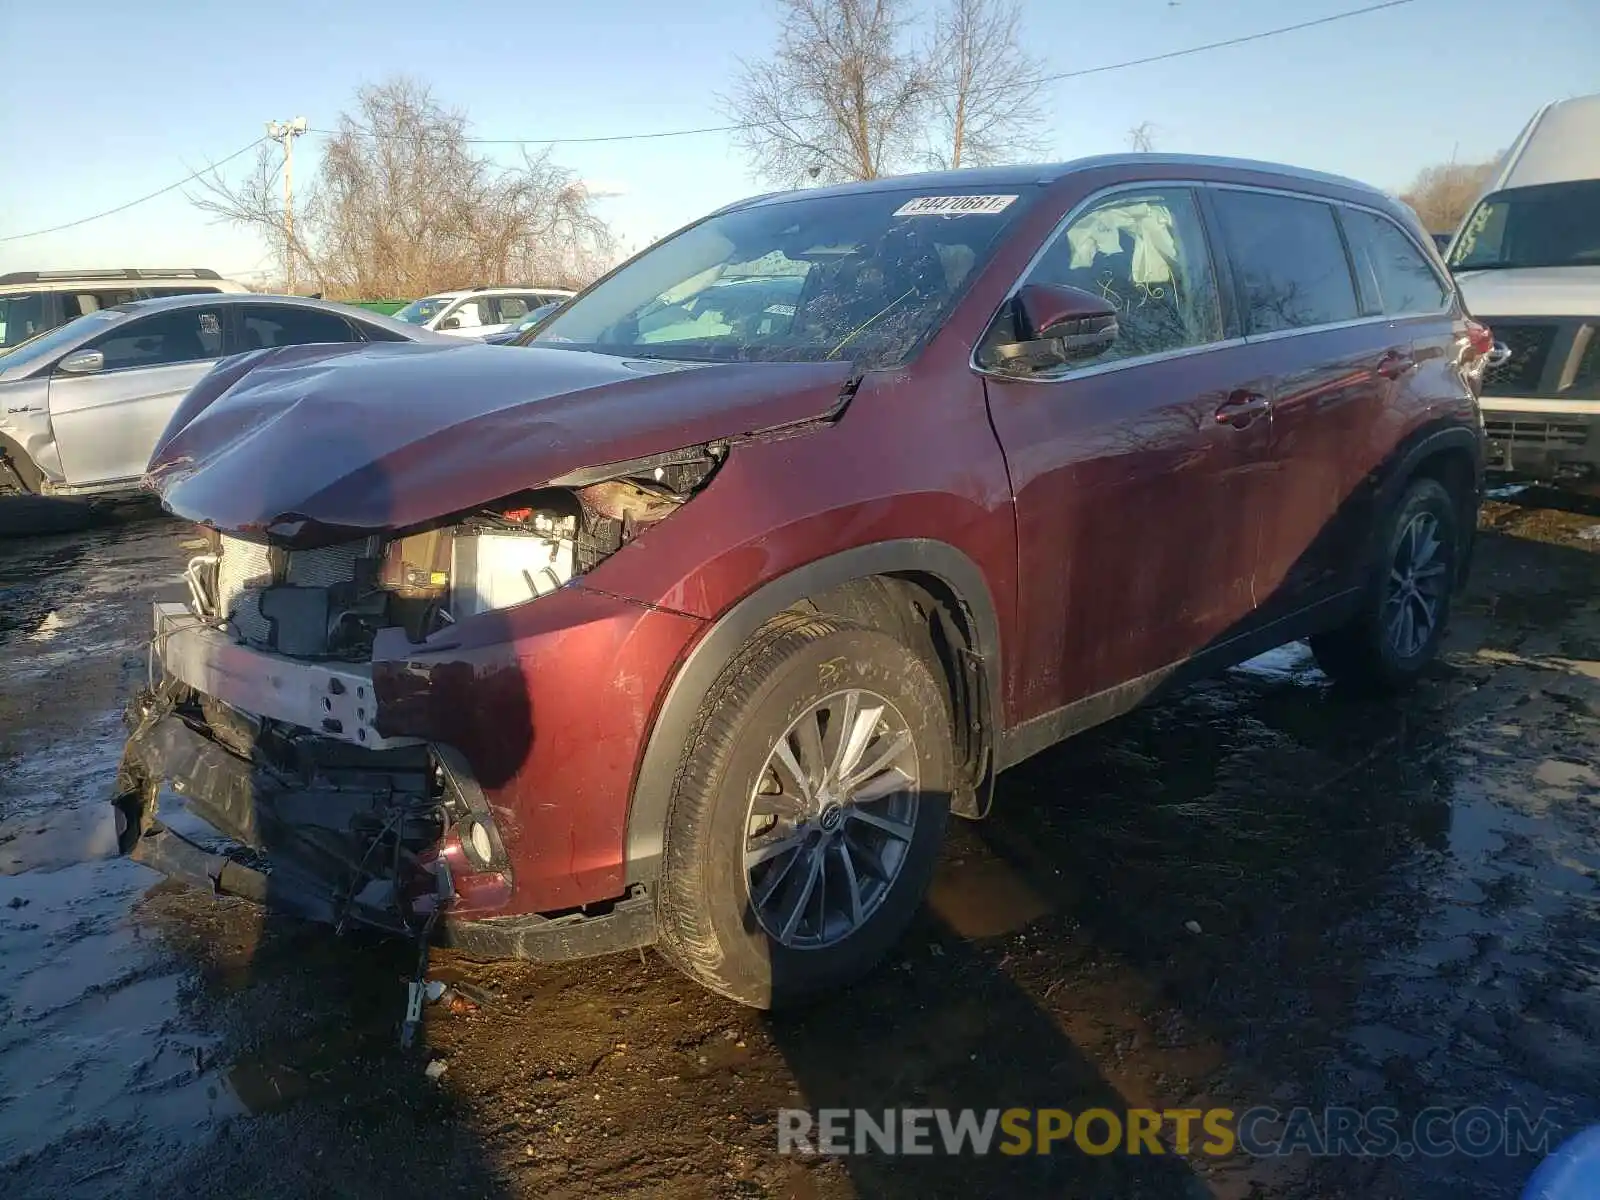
pixel 831 817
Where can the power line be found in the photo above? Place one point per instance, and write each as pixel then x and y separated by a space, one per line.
pixel 171 187
pixel 1241 40
pixel 1040 81
pixel 1055 77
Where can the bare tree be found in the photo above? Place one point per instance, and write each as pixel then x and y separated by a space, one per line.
pixel 256 203
pixel 401 205
pixel 840 98
pixel 1441 195
pixel 1142 138
pixel 985 88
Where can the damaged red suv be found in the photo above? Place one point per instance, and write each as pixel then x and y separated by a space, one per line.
pixel 690 619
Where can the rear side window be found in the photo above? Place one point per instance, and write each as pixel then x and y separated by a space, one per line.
pixel 264 326
pixel 377 333
pixel 187 335
pixel 77 304
pixel 512 308
pixel 1391 267
pixel 1290 259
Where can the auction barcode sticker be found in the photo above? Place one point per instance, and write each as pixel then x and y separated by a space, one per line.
pixel 953 206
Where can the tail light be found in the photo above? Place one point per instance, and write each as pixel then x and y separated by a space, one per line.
pixel 1480 338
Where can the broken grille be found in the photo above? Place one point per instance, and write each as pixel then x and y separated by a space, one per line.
pixel 1519 374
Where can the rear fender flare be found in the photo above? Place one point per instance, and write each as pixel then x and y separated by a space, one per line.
pixel 1410 460
pixel 1424 445
pixel 674 723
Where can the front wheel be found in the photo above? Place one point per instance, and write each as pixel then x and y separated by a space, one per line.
pixel 1406 605
pixel 808 812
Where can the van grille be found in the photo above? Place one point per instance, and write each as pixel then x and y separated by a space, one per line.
pixel 1520 374
pixel 1543 435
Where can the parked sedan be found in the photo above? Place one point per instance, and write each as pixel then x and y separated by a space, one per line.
pixel 82 404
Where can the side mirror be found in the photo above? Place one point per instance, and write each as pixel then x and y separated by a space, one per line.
pixel 450 323
pixel 82 362
pixel 1058 325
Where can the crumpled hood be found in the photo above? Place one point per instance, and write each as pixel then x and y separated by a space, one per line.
pixel 324 443
pixel 1532 292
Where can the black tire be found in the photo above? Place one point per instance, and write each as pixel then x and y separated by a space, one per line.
pixel 1364 654
pixel 709 924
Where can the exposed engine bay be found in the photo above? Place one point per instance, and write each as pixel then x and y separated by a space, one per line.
pixel 330 601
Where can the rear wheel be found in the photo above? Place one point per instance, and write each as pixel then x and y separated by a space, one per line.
pixel 1406 605
pixel 808 813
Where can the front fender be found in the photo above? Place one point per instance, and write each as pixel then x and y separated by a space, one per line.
pixel 691 686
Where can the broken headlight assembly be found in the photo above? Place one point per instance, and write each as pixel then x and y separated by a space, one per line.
pixel 330 601
pixel 536 541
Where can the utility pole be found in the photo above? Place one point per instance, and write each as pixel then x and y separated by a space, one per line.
pixel 284 132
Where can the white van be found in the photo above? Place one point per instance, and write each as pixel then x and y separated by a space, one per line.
pixel 1528 262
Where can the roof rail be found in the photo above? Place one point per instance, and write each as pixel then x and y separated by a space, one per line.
pixel 113 273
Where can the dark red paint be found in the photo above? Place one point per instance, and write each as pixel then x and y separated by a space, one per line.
pixel 1123 520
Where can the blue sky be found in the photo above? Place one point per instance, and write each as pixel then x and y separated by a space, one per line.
pixel 108 101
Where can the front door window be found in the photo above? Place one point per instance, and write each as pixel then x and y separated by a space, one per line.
pixel 184 335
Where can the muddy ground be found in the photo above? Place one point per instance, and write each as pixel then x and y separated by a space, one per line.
pixel 1255 892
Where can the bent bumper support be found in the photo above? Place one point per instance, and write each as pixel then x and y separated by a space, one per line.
pixel 178 858
pixel 253 806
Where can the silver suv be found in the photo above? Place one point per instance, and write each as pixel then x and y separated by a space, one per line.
pixel 81 405
pixel 32 302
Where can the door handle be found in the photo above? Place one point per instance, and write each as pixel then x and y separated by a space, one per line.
pixel 1242 407
pixel 1395 364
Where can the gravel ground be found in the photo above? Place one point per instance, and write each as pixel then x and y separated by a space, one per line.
pixel 1255 892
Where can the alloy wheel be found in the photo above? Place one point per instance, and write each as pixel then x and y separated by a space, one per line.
pixel 1416 587
pixel 831 819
